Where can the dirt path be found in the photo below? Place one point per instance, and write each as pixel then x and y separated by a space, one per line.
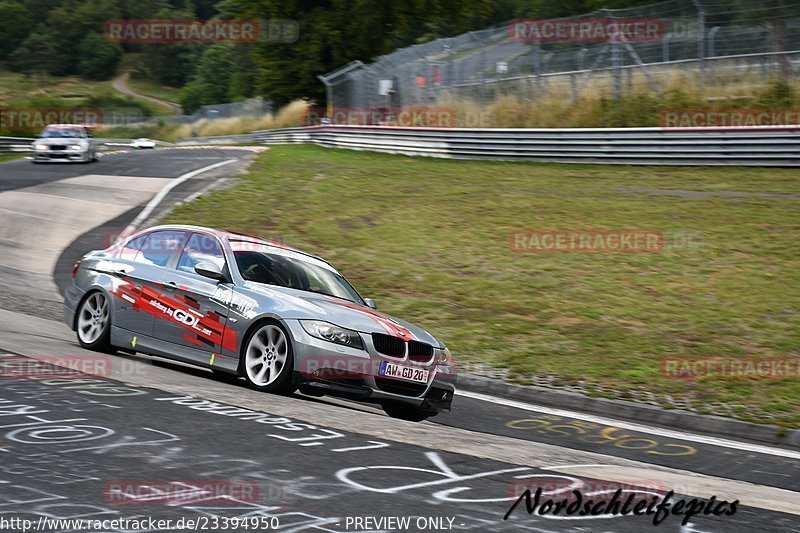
pixel 120 84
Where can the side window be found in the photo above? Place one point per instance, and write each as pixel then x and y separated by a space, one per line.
pixel 132 248
pixel 201 249
pixel 160 247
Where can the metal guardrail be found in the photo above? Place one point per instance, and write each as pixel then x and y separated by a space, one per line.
pixel 756 146
pixel 219 139
pixel 15 144
pixel 23 144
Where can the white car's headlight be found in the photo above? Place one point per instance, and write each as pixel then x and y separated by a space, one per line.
pixel 332 333
pixel 75 147
pixel 39 146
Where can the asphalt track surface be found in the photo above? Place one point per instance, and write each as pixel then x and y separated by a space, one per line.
pixel 74 446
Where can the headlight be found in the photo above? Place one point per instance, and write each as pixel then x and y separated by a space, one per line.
pixel 332 333
pixel 75 147
pixel 38 146
pixel 445 358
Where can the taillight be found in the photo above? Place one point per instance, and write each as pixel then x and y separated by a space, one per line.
pixel 75 268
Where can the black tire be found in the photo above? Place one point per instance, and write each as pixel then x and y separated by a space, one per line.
pixel 99 341
pixel 281 383
pixel 404 411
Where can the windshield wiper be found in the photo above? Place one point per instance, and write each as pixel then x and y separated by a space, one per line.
pixel 320 291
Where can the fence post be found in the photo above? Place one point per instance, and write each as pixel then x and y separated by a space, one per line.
pixel 616 58
pixel 712 33
pixel 665 47
pixel 616 70
pixel 701 41
pixel 574 86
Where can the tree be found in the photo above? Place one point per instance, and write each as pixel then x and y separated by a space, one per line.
pixel 71 22
pixel 98 58
pixel 191 98
pixel 17 23
pixel 172 64
pixel 36 54
pixel 214 73
pixel 336 32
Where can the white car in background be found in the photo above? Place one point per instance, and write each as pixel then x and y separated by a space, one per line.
pixel 143 143
pixel 65 142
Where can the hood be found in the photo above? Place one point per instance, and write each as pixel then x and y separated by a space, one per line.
pixel 293 303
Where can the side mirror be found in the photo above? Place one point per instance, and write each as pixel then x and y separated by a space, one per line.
pixel 209 270
pixel 370 303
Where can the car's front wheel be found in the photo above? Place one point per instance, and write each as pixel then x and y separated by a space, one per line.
pixel 93 323
pixel 268 361
pixel 405 411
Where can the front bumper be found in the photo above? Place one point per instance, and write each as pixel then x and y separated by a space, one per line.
pixel 323 367
pixel 60 155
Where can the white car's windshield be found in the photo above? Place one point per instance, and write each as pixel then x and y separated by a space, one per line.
pixel 51 133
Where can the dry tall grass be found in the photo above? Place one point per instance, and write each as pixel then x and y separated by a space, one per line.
pixel 293 114
pixel 552 105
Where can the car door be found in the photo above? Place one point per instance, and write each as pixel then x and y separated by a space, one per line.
pixel 143 301
pixel 201 311
pixel 128 280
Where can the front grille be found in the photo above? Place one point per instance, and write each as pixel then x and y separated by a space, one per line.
pixel 419 352
pixel 388 345
pixel 58 147
pixel 395 386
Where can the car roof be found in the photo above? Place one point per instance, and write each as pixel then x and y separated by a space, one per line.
pixel 231 236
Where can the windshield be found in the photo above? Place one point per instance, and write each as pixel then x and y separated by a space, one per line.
pixel 51 133
pixel 295 272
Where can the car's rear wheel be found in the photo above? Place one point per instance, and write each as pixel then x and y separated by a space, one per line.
pixel 93 323
pixel 267 361
pixel 405 411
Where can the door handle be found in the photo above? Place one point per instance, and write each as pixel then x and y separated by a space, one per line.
pixel 170 285
pixel 121 272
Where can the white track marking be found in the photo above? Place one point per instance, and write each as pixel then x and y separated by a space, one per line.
pixel 158 198
pixel 673 434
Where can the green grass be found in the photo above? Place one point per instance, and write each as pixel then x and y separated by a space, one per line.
pixel 20 92
pixel 155 90
pixel 12 156
pixel 428 239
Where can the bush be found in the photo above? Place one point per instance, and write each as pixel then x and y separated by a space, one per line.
pixel 779 93
pixel 191 98
pixel 98 58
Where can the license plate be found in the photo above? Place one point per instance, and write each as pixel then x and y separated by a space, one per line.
pixel 408 373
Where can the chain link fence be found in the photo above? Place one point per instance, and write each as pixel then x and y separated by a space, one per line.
pixel 709 40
